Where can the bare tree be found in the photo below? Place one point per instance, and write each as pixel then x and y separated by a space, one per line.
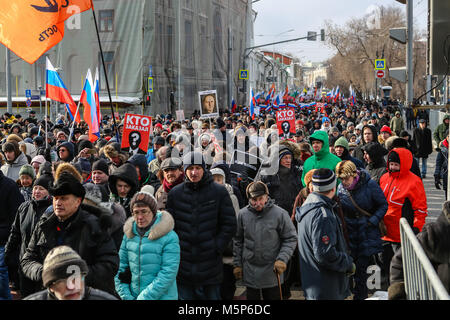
pixel 359 43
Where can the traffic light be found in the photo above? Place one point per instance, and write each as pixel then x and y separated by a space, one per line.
pixel 322 35
pixel 312 36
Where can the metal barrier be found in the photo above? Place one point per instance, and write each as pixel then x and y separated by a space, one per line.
pixel 421 280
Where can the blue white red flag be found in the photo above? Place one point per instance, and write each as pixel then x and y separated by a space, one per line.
pixel 87 98
pixel 97 96
pixel 56 90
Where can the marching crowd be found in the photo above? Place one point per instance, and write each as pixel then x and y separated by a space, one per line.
pixel 215 202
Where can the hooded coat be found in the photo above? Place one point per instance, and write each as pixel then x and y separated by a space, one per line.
pixel 324 259
pixel 126 172
pixel 261 239
pixel 406 197
pixel 378 165
pixel 321 159
pixel 439 132
pixel 69 146
pixel 153 260
pixel 358 153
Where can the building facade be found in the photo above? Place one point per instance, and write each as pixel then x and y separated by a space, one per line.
pixel 185 46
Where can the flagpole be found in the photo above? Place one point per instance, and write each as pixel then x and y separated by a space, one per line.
pixel 106 74
pixel 46 112
pixel 73 122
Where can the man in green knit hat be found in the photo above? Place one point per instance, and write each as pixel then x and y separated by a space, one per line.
pixel 342 151
pixel 322 158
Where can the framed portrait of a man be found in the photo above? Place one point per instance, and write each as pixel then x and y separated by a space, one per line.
pixel 208 104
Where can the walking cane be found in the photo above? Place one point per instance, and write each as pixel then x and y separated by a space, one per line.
pixel 279 283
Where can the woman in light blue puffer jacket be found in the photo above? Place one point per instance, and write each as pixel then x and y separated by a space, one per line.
pixel 149 254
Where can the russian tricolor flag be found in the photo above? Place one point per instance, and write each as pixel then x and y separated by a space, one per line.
pixel 252 104
pixel 87 98
pixel 56 90
pixel 97 96
pixel 233 106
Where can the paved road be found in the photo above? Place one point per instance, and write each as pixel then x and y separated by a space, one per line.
pixel 435 198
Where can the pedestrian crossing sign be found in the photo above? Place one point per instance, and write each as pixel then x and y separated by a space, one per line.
pixel 243 74
pixel 380 64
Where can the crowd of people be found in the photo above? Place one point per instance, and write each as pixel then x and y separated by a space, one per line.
pixel 213 203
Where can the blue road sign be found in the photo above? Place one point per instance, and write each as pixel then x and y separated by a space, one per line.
pixel 28 93
pixel 380 64
pixel 243 74
pixel 28 103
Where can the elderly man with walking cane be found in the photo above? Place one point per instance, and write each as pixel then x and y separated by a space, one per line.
pixel 265 241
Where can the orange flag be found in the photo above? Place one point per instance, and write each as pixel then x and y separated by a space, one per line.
pixel 29 28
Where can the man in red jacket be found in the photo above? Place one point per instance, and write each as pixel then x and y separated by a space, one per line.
pixel 406 198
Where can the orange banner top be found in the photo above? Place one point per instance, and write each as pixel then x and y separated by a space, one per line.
pixel 31 27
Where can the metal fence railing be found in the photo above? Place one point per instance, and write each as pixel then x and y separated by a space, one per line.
pixel 421 280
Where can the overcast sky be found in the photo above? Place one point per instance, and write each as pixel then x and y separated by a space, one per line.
pixel 278 16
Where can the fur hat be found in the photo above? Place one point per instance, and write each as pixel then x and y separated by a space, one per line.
pixel 57 262
pixel 67 184
pixel 93 193
pixel 67 167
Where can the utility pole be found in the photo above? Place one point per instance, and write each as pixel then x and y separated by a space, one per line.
pixel 230 66
pixel 179 55
pixel 8 81
pixel 409 54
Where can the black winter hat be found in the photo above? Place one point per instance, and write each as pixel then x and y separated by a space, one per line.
pixel 67 184
pixel 45 181
pixel 101 165
pixel 85 144
pixel 393 157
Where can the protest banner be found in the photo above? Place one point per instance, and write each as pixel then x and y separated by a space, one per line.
pixel 136 133
pixel 286 123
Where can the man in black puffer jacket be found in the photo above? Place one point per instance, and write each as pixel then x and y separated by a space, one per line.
pixel 73 225
pixel 205 222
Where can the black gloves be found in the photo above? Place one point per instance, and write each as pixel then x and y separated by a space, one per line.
pixel 125 276
pixel 437 183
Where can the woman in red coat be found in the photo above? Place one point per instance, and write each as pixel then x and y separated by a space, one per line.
pixel 405 194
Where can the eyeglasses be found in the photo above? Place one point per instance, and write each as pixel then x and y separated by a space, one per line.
pixel 62 150
pixel 144 212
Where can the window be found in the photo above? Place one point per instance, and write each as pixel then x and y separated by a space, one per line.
pixel 106 18
pixel 189 44
pixel 110 68
pixel 170 45
pixel 218 45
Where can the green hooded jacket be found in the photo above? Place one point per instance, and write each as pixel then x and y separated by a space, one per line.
pixel 439 132
pixel 321 159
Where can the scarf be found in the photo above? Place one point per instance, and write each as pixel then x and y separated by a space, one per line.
pixel 355 181
pixel 168 186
